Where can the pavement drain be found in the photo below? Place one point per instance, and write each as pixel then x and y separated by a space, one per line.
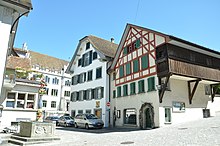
pixel 127 142
pixel 182 128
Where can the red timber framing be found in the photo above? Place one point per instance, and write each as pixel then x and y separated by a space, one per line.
pixel 149 41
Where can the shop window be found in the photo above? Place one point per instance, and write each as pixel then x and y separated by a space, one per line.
pixel 132 88
pixel 119 91
pixel 167 115
pixel 151 84
pixel 121 71
pixel 135 66
pixel 141 86
pixel 125 90
pixel 128 68
pixel 130 116
pixel 144 61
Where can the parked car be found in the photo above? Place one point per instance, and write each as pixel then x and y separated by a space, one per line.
pixel 88 121
pixel 53 119
pixel 65 121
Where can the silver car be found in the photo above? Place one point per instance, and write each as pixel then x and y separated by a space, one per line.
pixel 88 121
pixel 65 121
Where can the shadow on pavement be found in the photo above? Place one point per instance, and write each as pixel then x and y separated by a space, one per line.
pixel 99 131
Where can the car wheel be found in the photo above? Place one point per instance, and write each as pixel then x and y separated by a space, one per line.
pixel 87 126
pixel 65 124
pixel 76 126
pixel 58 124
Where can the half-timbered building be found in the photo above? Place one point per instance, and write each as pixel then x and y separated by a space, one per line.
pixel 158 79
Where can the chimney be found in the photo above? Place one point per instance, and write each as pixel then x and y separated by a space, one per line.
pixel 112 40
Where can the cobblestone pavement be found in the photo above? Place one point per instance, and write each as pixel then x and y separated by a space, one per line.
pixel 205 132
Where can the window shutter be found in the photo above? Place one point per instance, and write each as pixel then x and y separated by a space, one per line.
pixel 83 60
pixel 72 80
pixel 138 43
pixel 121 71
pixel 144 61
pixel 71 98
pixel 114 93
pixel 79 62
pixel 132 88
pixel 119 91
pixel 128 68
pixel 125 51
pixel 90 57
pixel 125 90
pixel 151 84
pixel 94 55
pixel 135 65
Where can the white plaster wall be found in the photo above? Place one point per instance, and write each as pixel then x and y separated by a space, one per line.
pixel 179 93
pixel 6 19
pixel 9 116
pixel 134 101
pixel 91 104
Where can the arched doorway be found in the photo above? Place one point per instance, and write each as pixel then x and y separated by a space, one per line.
pixel 146 116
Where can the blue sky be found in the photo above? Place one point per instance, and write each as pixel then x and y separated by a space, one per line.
pixel 55 27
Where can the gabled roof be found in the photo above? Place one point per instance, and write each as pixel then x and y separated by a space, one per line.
pixel 14 62
pixel 18 5
pixel 169 38
pixel 46 61
pixel 107 48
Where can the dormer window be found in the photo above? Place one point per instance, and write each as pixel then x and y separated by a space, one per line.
pixel 87 45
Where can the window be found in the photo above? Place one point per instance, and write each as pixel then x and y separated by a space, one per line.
pixel 79 62
pixel 73 96
pixel 80 111
pixel 20 100
pixel 67 83
pixel 87 45
pixel 94 56
pixel 121 71
pixel 178 106
pixel 125 90
pixel 30 101
pixel 80 95
pixel 167 115
pixel 132 88
pixel 53 104
pixel 125 51
pixel 54 92
pixel 135 66
pixel 55 81
pixel 119 91
pixel 151 84
pixel 88 94
pixel 100 92
pixel 141 86
pixel 88 111
pixel 47 79
pixel 73 113
pixel 10 100
pixel 81 78
pixel 144 61
pixel 130 116
pixel 85 59
pixel 84 75
pixel 98 73
pixel 84 94
pixel 67 93
pixel 47 91
pixel 89 77
pixel 114 93
pixel 128 68
pixel 137 43
pixel 44 103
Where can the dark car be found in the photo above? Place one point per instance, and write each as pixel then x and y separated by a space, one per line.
pixel 65 121
pixel 53 119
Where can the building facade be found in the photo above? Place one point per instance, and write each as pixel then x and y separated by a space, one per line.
pixel 90 82
pixel 158 79
pixel 10 12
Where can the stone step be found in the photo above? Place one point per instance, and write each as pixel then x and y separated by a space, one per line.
pixel 30 139
pixel 23 143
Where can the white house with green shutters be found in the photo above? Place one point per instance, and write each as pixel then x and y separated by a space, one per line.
pixel 90 81
pixel 158 80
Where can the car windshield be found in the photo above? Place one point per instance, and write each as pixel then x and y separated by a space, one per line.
pixel 91 116
pixel 68 118
pixel 54 118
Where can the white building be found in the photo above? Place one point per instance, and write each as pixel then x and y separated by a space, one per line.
pixel 158 79
pixel 21 86
pixel 90 82
pixel 10 12
pixel 57 97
